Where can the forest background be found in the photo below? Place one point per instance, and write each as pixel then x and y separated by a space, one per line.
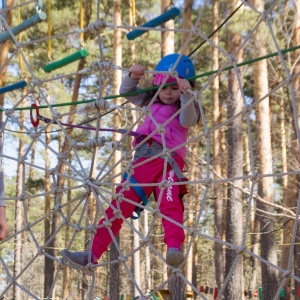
pixel 252 160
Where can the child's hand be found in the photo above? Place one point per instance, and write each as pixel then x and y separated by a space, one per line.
pixel 184 85
pixel 137 72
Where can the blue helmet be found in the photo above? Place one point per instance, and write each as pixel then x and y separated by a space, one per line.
pixel 185 67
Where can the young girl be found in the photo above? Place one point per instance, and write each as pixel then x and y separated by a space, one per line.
pixel 170 99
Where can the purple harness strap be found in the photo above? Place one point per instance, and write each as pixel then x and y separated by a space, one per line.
pixel 123 131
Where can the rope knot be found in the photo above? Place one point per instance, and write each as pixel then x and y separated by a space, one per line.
pixel 34 135
pixel 56 207
pixel 91 228
pixel 101 65
pixel 207 133
pixel 163 185
pixel 73 144
pixel 127 156
pixel 101 104
pixel 99 24
pixel 193 232
pixel 161 129
pixel 146 110
pixel 77 228
pixel 122 259
pixel 126 185
pixel 166 153
pixel 129 169
pixel 177 272
pixel 23 196
pixel 145 241
pixel 287 273
pixel 116 145
pixel 240 250
pixel 27 226
pixel 87 183
pixel 22 159
pixel 106 224
pixel 56 116
pixel 156 213
pixel 62 155
pixel 40 251
pixel 207 182
pixel 96 142
pixel 118 213
pixel 119 197
pixel 9 112
pixel 54 189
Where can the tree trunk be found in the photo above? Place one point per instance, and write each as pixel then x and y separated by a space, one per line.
pixel 114 276
pixel 90 219
pixel 189 267
pixel 66 271
pixel 218 202
pixel 187 23
pixel 47 222
pixel 167 37
pixel 293 183
pixel 136 257
pixel 18 295
pixel 235 287
pixel 4 49
pixel 265 184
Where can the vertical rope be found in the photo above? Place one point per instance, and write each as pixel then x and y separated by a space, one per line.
pixel 133 12
pixel 49 32
pixel 20 39
pixel 81 23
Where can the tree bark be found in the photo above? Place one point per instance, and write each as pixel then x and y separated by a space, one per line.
pixel 235 287
pixel 114 276
pixel 294 161
pixel 18 295
pixel 218 202
pixel 167 37
pixel 47 222
pixel 4 49
pixel 187 23
pixel 265 185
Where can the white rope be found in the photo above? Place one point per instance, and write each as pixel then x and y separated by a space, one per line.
pixel 100 186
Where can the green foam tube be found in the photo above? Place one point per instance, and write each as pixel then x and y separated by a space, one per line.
pixel 65 61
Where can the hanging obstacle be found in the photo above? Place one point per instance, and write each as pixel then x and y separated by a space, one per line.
pixel 82 53
pixel 168 15
pixel 37 18
pixel 12 87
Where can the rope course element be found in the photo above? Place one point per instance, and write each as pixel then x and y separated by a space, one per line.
pixel 32 21
pixel 172 13
pixel 80 54
pixel 66 171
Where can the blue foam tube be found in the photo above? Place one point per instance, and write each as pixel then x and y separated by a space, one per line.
pixel 168 15
pixel 37 18
pixel 12 87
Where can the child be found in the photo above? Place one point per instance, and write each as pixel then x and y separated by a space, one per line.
pixel 170 99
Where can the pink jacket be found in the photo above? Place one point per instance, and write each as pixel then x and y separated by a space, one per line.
pixel 176 130
pixel 175 134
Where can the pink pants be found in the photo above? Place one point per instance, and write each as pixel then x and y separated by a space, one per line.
pixel 171 205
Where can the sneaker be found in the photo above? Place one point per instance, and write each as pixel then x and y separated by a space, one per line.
pixel 174 257
pixel 80 260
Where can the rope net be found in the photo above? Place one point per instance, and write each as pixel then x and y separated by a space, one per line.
pixel 67 176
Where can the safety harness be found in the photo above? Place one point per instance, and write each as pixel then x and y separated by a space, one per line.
pixel 149 149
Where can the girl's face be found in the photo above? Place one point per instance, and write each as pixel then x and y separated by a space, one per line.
pixel 169 94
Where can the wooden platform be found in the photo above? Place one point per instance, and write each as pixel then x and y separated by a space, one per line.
pixel 166 295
